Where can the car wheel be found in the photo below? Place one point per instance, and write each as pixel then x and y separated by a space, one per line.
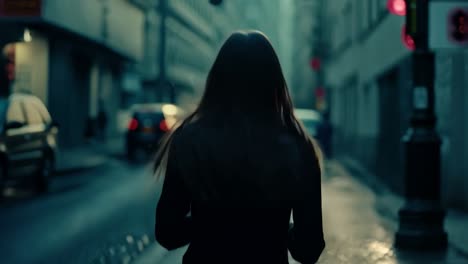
pixel 45 173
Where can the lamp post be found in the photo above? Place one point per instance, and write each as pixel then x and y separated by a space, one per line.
pixel 421 218
pixel 319 56
pixel 163 81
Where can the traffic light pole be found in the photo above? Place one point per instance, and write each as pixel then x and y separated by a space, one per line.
pixel 421 220
pixel 318 53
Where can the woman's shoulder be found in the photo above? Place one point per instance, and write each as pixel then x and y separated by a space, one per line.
pixel 187 133
pixel 187 130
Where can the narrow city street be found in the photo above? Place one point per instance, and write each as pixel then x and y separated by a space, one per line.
pixel 106 214
pixel 89 88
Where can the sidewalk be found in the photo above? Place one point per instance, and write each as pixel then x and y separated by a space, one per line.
pixel 456 222
pixel 355 230
pixel 88 156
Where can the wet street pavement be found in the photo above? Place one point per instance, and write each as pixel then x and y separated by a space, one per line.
pixel 354 231
pixel 103 215
pixel 106 215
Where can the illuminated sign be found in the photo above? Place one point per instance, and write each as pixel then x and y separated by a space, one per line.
pixel 458 26
pixel 448 25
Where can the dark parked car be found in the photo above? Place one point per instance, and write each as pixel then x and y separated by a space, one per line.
pixel 148 124
pixel 28 141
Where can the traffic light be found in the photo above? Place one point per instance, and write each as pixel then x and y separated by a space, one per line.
pixel 400 8
pixel 397 7
pixel 315 63
pixel 407 40
pixel 459 27
pixel 320 99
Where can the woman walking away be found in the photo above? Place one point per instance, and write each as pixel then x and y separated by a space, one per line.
pixel 236 167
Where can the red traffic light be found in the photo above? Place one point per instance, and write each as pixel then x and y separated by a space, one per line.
pixel 397 7
pixel 320 92
pixel 315 64
pixel 408 41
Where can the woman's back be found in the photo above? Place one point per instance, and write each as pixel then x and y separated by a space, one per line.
pixel 241 186
pixel 239 164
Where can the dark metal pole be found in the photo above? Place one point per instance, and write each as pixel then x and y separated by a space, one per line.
pixel 163 82
pixel 421 220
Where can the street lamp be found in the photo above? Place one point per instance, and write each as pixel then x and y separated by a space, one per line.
pixel 421 220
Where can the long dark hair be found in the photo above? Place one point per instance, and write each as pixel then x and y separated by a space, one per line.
pixel 245 83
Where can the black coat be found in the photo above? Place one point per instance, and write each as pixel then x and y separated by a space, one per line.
pixel 239 226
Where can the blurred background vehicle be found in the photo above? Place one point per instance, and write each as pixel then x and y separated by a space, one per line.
pixel 318 126
pixel 311 119
pixel 27 141
pixel 148 124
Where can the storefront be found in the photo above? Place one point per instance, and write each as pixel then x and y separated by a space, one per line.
pixel 73 62
pixel 25 63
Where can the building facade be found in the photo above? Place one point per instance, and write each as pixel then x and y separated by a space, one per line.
pixel 368 73
pixel 71 54
pixel 180 43
pixel 189 34
pixel 303 79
